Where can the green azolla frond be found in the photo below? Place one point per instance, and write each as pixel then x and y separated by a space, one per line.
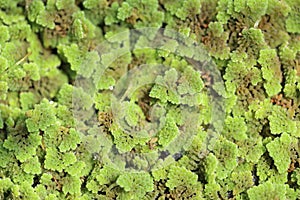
pixel 78 29
pixel 65 95
pixel 169 132
pixel 24 191
pixel 76 169
pixel 19 31
pixel 41 117
pixel 288 54
pixel 32 165
pixel 71 185
pixel 65 115
pixel 3 65
pixel 254 9
pixel 267 191
pixel 173 6
pixel 198 141
pixel 34 9
pixel 279 150
pixel 13 52
pixel 194 81
pixel 106 83
pixel 81 61
pixel 192 7
pixel 70 141
pixel 177 87
pixel 124 11
pixel 235 127
pixel 45 18
pixel 261 109
pixel 122 140
pixel 82 27
pixel 280 122
pixel 164 89
pixel 3 90
pixel 160 174
pixel 243 180
pixel 103 100
pixel 211 190
pixel 107 175
pixel 137 184
pixel 257 8
pixel 234 73
pixel 81 99
pixel 52 136
pixel 147 12
pixel 23 148
pixel 55 160
pixel 46 179
pixel 211 166
pixel 4 34
pixel 270 69
pixel 179 176
pixel 227 153
pixel 295 177
pixel 265 172
pixel 292 22
pixel 5 185
pixel 217 44
pixel 32 70
pixel 64 4
pixel 252 42
pixel 278 6
pixel 291 193
pixel 18 176
pixel 14 16
pixel 111 15
pixel 28 100
pixel 159 92
pixel 225 10
pixel 183 9
pixel 254 35
pixel 6 156
pixel 251 149
pixel 133 114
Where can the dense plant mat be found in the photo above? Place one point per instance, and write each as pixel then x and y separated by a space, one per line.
pixel 149 99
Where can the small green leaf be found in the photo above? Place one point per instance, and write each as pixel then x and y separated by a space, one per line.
pixel 32 166
pixel 267 191
pixel 179 176
pixel 136 183
pixel 279 150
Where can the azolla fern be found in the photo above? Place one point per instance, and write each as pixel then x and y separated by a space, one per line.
pixel 149 114
pixel 139 99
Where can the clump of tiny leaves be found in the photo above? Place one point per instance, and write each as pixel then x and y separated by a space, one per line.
pixel 51 148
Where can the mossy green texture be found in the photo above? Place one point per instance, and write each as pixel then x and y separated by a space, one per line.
pixel 53 148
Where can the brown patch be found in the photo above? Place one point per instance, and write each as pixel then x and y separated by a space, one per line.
pixel 144 104
pixel 58 185
pixel 290 105
pixel 291 167
pixel 281 101
pixel 63 21
pixel 152 143
pixel 247 92
pixel 105 119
